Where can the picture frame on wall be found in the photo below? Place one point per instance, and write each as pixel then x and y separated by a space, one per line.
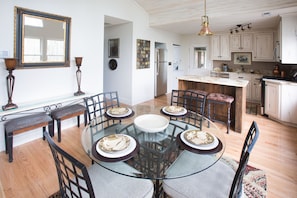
pixel 143 54
pixel 113 48
pixel 243 58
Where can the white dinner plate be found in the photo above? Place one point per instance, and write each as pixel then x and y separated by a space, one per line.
pixel 199 139
pixel 116 154
pixel 174 110
pixel 151 123
pixel 119 112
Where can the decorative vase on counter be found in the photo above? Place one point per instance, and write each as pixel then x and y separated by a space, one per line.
pixel 276 70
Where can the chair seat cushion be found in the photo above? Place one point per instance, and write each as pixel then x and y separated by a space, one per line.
pixel 220 97
pixel 109 184
pixel 67 110
pixel 26 121
pixel 215 181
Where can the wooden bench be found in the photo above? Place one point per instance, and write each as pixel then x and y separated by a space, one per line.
pixel 22 124
pixel 67 112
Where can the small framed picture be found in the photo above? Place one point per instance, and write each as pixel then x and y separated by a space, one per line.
pixel 242 58
pixel 113 48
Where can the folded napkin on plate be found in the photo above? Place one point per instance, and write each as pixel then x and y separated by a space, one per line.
pixel 118 110
pixel 174 109
pixel 199 137
pixel 115 142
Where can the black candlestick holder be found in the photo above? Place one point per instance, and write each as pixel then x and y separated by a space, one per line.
pixel 10 79
pixel 78 61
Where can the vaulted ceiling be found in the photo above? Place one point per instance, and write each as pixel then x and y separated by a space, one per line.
pixel 184 16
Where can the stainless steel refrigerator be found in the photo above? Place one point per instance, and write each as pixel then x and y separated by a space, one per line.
pixel 160 71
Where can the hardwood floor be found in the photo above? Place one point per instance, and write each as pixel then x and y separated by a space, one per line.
pixel 33 174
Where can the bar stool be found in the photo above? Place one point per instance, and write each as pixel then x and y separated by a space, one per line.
pixel 67 112
pixel 219 99
pixel 22 124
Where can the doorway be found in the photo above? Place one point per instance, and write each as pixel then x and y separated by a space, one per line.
pixel 160 69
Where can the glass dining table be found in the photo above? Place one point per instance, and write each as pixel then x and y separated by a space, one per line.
pixel 154 146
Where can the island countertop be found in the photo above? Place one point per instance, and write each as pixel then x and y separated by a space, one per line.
pixel 215 80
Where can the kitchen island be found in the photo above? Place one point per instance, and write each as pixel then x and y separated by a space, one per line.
pixel 235 88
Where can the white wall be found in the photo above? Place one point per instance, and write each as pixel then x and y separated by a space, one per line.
pixel 119 79
pixel 189 42
pixel 87 40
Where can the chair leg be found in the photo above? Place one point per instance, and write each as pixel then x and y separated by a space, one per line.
pixel 59 129
pixel 51 128
pixel 86 118
pixel 43 130
pixel 209 117
pixel 229 120
pixel 9 146
pixel 6 142
pixel 78 121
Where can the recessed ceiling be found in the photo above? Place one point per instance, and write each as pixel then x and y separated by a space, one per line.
pixel 184 16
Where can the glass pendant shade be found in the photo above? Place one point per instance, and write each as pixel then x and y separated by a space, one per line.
pixel 205 31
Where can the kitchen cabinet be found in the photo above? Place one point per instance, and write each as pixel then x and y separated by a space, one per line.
pixel 255 84
pixel 220 47
pixel 281 100
pixel 288 103
pixel 288 39
pixel 241 42
pixel 253 89
pixel 263 47
pixel 272 102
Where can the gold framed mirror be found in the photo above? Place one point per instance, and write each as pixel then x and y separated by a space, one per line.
pixel 41 39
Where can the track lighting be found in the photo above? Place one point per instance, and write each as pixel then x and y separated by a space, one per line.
pixel 241 27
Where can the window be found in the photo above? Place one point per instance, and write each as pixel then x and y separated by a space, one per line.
pixel 200 57
pixel 32 50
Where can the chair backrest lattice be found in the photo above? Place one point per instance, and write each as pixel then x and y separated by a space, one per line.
pixel 194 103
pixel 74 180
pixel 98 104
pixel 250 139
pixel 249 143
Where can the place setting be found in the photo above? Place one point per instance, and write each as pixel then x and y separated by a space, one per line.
pixel 198 141
pixel 115 147
pixel 174 110
pixel 119 112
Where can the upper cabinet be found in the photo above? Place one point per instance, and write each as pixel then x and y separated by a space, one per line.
pixel 220 47
pixel 288 39
pixel 241 42
pixel 263 47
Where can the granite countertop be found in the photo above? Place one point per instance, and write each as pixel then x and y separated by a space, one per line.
pixel 216 80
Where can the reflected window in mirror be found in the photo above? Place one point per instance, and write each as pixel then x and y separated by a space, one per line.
pixel 200 57
pixel 42 39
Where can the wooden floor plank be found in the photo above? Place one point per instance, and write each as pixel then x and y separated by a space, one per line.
pixel 33 174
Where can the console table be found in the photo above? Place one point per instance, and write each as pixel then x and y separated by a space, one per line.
pixel 46 105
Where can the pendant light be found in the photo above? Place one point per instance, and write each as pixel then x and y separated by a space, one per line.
pixel 205 31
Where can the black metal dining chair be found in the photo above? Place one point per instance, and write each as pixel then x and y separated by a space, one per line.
pixel 219 180
pixel 76 180
pixel 193 101
pixel 97 105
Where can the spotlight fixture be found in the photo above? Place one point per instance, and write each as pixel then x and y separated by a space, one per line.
pixel 240 27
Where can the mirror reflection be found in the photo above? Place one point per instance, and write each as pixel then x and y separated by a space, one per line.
pixel 42 39
pixel 200 57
